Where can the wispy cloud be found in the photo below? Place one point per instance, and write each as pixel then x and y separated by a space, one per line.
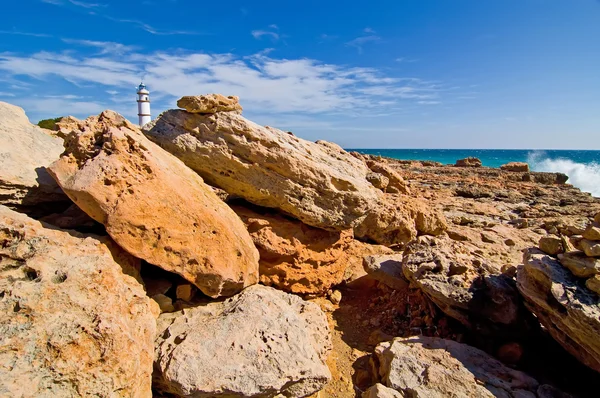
pixel 77 3
pixel 105 47
pixel 149 28
pixel 283 86
pixel 405 60
pixel 16 32
pixel 360 41
pixel 4 94
pixel 428 102
pixel 257 34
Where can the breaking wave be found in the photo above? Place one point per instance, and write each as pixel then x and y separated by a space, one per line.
pixel 584 176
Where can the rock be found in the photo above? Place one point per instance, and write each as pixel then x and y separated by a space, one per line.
pixel 457 235
pixel 185 292
pixel 379 181
pixel 590 248
pixel 579 264
pixel 164 303
pixel 466 287
pixel 268 342
pixel 433 367
pixel 335 297
pixel 295 257
pixel 551 245
pixel 25 153
pixel 593 284
pixel 395 180
pixel 487 238
pixel 468 162
pixel 597 218
pixel 515 166
pixel 569 311
pixel 154 207
pixel 510 353
pixel 387 269
pixel 73 324
pixel 592 232
pixel 72 218
pixel 548 391
pixel 318 183
pixel 381 391
pixel 209 104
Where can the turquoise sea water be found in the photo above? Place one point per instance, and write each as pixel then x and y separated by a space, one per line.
pixel 582 167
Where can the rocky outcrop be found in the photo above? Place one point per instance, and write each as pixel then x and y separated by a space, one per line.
pixel 569 311
pixel 387 269
pixel 396 183
pixel 466 286
pixel 259 343
pixel 295 257
pixel 153 206
pixel 381 391
pixel 318 183
pixel 515 166
pixel 25 152
pixel 73 324
pixel 468 162
pixel 211 103
pixel 432 367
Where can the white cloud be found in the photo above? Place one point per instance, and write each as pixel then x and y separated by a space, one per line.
pixel 406 60
pixel 260 33
pixel 4 94
pixel 77 3
pixel 429 102
pixel 303 85
pixel 15 32
pixel 105 47
pixel 273 26
pixel 368 30
pixel 359 42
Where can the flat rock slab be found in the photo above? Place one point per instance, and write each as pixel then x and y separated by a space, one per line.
pixel 387 269
pixel 72 323
pixel 430 367
pixel 562 303
pixel 154 206
pixel 25 152
pixel 259 343
pixel 318 183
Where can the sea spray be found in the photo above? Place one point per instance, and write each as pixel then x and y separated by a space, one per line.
pixel 583 176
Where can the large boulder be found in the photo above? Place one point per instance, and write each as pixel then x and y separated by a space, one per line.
pixel 318 183
pixel 72 323
pixel 154 206
pixel 25 152
pixel 569 311
pixel 468 162
pixel 430 367
pixel 259 343
pixel 295 257
pixel 211 103
pixel 466 286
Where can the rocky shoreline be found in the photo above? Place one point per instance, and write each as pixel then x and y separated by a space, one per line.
pixel 207 256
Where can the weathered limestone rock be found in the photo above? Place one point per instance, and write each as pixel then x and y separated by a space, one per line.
pixel 590 248
pixel 387 269
pixel 24 154
pixel 318 183
pixel 466 286
pixel 593 284
pixel 515 166
pixel 381 391
pixel 210 103
pixel 431 367
pixel 579 264
pixel 468 162
pixel 551 245
pixel 154 207
pixel 259 343
pixel 71 322
pixel 295 257
pixel 395 179
pixel 597 218
pixel 379 181
pixel 592 232
pixel 569 311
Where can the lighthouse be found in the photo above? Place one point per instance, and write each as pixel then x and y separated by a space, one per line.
pixel 143 104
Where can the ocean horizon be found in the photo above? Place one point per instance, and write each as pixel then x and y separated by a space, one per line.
pixel 582 166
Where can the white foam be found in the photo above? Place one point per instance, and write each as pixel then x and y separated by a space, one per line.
pixel 584 176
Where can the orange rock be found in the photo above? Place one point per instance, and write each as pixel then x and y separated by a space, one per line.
pixel 153 206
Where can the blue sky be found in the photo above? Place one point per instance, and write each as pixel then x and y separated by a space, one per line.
pixel 378 74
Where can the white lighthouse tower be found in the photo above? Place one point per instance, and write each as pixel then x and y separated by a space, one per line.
pixel 143 104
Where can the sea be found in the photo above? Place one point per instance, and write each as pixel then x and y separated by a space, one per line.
pixel 582 167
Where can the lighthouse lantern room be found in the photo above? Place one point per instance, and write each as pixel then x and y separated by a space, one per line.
pixel 143 104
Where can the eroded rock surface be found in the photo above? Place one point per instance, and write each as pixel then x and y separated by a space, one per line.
pixel 211 103
pixel 259 343
pixel 569 310
pixel 153 206
pixel 318 183
pixel 430 367
pixel 72 323
pixel 25 152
